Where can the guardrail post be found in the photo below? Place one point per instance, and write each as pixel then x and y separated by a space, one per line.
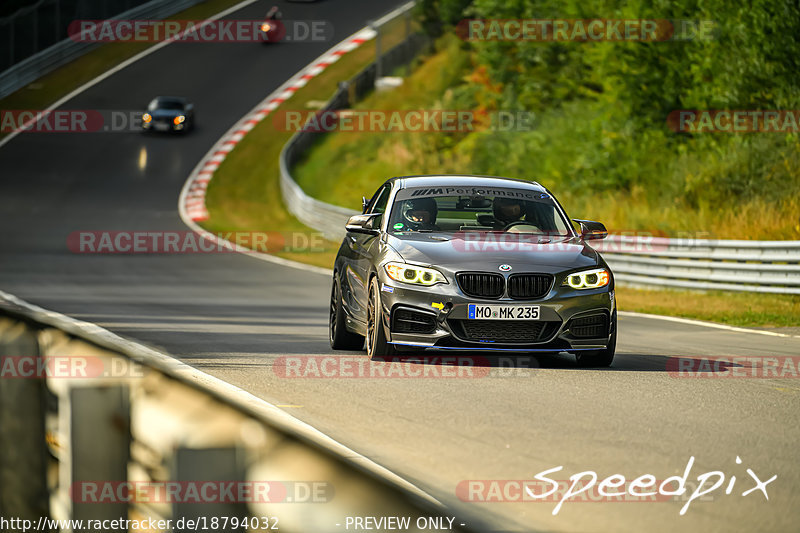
pixel 378 69
pixel 23 452
pixel 204 465
pixel 100 438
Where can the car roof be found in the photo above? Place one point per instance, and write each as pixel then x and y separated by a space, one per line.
pixel 162 99
pixel 469 180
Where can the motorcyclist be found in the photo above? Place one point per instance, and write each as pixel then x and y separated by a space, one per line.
pixel 274 13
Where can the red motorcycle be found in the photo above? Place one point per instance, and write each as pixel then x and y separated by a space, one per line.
pixel 272 29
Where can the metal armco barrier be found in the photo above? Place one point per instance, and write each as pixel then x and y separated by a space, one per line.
pixel 96 427
pixel 30 69
pixel 705 264
pixel 326 218
pixel 754 266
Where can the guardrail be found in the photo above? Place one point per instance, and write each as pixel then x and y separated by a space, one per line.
pixel 66 50
pixel 95 427
pixel 732 265
pixel 329 219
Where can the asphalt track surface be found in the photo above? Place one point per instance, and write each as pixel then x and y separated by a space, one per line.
pixel 239 318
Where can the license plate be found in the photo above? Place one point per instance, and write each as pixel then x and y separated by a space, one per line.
pixel 160 126
pixel 502 312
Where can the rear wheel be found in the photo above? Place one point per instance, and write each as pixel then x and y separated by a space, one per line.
pixel 340 337
pixel 377 344
pixel 600 358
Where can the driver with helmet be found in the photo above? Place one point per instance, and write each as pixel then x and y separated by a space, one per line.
pixel 507 210
pixel 420 214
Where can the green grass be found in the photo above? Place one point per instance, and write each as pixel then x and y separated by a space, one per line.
pixel 343 166
pixel 245 195
pixel 245 192
pixel 745 188
pixel 733 308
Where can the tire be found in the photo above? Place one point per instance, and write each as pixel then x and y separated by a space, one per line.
pixel 600 358
pixel 377 344
pixel 339 336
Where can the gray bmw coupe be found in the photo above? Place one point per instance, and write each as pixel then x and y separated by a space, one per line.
pixel 471 263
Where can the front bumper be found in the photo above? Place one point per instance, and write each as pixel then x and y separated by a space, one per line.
pixel 163 126
pixel 436 317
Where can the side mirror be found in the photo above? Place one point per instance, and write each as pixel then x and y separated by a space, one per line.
pixel 591 230
pixel 369 224
pixel 364 204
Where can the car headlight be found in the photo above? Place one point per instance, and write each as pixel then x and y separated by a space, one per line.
pixel 179 119
pixel 413 274
pixel 146 118
pixel 588 279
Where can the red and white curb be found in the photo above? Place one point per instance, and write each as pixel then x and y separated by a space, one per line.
pixel 192 201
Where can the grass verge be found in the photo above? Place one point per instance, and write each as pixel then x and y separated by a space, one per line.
pixel 732 308
pixel 245 193
pixel 367 158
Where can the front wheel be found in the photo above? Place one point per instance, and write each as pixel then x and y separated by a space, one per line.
pixel 377 344
pixel 340 337
pixel 600 358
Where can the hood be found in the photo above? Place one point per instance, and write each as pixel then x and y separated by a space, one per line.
pixel 165 113
pixel 486 252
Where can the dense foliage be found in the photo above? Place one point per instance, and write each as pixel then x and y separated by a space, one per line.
pixel 603 105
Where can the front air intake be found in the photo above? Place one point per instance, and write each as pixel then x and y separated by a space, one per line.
pixel 529 286
pixel 481 284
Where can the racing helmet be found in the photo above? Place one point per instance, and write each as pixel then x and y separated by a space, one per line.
pixel 507 210
pixel 420 212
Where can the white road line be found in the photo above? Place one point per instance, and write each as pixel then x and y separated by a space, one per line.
pixel 127 62
pixel 267 103
pixel 223 388
pixel 707 324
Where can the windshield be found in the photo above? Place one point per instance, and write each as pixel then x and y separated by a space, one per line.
pixel 165 104
pixel 429 209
